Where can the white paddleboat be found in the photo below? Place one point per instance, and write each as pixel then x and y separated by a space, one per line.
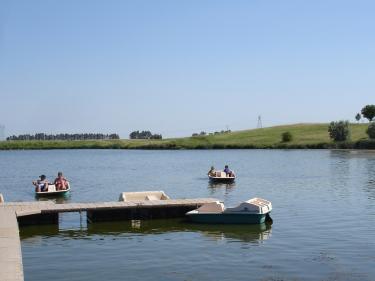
pixel 52 191
pixel 221 176
pixel 253 211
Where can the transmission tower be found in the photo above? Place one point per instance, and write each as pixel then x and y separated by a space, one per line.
pixel 2 132
pixel 259 125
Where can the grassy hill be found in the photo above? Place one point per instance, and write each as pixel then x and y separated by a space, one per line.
pixel 304 136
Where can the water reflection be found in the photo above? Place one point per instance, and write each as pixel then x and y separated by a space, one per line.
pixel 353 153
pixel 233 233
pixel 66 198
pixel 356 160
pixel 219 184
pixel 369 186
pixel 215 188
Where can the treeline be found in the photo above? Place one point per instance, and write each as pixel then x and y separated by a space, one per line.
pixel 203 133
pixel 339 131
pixel 86 136
pixel 145 135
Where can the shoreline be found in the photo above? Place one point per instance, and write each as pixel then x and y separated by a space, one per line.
pixel 124 144
pixel 304 136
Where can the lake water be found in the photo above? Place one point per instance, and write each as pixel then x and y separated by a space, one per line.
pixel 324 214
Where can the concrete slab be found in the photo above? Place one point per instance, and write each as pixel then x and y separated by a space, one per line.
pixel 10 247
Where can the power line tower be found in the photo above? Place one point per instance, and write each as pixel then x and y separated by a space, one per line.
pixel 259 125
pixel 2 132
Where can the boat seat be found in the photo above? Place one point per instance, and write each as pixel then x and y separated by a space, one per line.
pixel 221 174
pixel 143 195
pixel 51 188
pixel 254 205
pixel 213 207
pixel 152 197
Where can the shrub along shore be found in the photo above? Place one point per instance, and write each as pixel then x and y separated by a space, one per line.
pixel 304 136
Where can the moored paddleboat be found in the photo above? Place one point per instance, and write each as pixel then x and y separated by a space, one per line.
pixel 253 211
pixel 51 191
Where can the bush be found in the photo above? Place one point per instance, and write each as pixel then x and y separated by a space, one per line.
pixel 371 131
pixel 339 131
pixel 286 137
pixel 365 144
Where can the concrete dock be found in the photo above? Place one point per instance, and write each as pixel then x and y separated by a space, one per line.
pixel 13 214
pixel 10 247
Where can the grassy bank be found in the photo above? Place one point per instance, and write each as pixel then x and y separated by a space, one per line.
pixel 304 136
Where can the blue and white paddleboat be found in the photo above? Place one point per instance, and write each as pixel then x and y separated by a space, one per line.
pixel 253 211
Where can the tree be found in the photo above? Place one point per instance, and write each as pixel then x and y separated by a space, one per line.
pixel 156 137
pixel 286 137
pixel 134 135
pixel 368 112
pixel 144 135
pixel 358 117
pixel 371 131
pixel 339 131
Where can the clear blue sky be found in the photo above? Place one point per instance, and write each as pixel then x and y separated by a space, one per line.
pixel 176 67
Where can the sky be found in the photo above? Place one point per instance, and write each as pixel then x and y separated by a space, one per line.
pixel 182 66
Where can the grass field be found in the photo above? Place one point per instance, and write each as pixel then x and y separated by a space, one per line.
pixel 304 136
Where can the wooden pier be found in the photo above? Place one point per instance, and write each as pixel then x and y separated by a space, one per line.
pixel 13 214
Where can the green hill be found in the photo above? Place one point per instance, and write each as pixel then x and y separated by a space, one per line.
pixel 304 136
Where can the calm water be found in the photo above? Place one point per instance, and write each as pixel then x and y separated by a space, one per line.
pixel 324 214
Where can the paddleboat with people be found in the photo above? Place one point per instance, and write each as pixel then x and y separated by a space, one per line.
pixel 60 186
pixel 224 176
pixel 52 191
pixel 252 211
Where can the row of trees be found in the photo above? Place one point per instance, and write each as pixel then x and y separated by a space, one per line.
pixel 203 133
pixel 85 136
pixel 340 131
pixel 145 135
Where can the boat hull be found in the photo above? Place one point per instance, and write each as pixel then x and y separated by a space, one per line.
pixel 52 194
pixel 224 218
pixel 221 179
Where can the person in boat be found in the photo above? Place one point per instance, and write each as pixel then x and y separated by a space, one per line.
pixel 41 185
pixel 228 172
pixel 212 172
pixel 61 182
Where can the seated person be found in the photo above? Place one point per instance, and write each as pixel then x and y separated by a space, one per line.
pixel 212 172
pixel 60 182
pixel 41 185
pixel 228 172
